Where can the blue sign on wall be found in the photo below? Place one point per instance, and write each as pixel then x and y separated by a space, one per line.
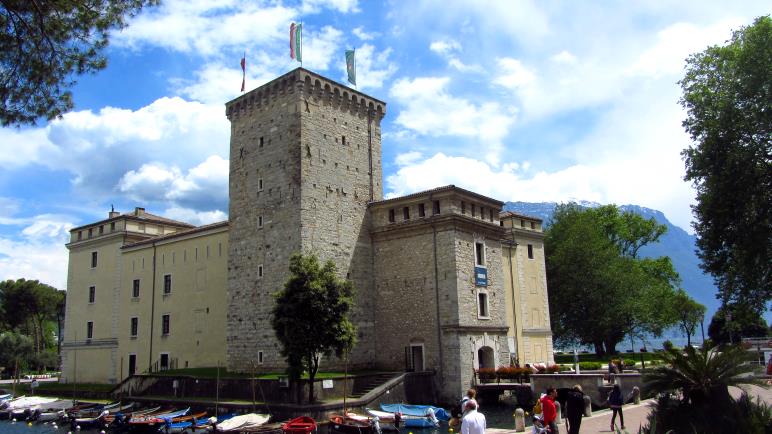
pixel 480 276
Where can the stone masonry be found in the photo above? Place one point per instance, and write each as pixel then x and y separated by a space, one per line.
pixel 304 164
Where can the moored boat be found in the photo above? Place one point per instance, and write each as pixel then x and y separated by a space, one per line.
pixel 350 424
pixel 243 423
pixel 418 416
pixel 299 425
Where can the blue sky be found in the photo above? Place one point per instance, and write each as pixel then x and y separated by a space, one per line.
pixel 517 100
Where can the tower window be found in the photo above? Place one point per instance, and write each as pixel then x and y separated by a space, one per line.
pixel 421 210
pixel 260 221
pixel 91 294
pixel 530 251
pixel 490 215
pixel 101 229
pixel 482 305
pixel 93 259
pixel 474 210
pixel 134 327
pixel 167 284
pixel 90 330
pixel 479 254
pixel 406 213
pixel 165 324
pixel 463 207
pixel 343 140
pixel 533 225
pixel 261 142
pixel 260 270
pixel 391 216
pixel 80 235
pixel 436 207
pixel 135 289
pixel 259 184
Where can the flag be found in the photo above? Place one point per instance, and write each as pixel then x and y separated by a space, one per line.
pixel 296 42
pixel 243 71
pixel 351 66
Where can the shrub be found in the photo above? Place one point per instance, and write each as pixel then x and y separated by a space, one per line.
pixel 552 368
pixel 508 372
pixel 669 414
pixel 667 345
pixel 589 366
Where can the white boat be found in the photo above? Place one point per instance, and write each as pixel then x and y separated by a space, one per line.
pixel 245 422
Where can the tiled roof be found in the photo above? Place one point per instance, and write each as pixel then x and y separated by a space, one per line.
pixel 178 234
pixel 437 190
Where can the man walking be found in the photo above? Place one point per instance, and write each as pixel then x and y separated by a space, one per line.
pixel 474 421
pixel 549 410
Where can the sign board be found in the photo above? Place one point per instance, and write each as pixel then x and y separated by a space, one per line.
pixel 326 384
pixel 480 276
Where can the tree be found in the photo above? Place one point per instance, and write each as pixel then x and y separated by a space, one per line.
pixel 29 305
pixel 688 312
pixel 742 322
pixel 727 92
pixel 15 350
pixel 310 317
pixel 600 289
pixel 44 43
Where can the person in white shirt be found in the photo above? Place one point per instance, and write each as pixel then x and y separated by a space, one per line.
pixel 473 421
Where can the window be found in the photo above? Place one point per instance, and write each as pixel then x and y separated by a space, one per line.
pixel 165 324
pixel 80 235
pixel 93 259
pixel 164 362
pixel 260 270
pixel 482 212
pixel 259 184
pixel 479 254
pixel 134 327
pixel 391 216
pixel 343 140
pixel 260 221
pixel 112 226
pixel 89 329
pixel 135 289
pixel 167 283
pixel 436 207
pixel 482 305
pixel 101 229
pixel 91 294
pixel 533 225
pixel 261 142
pixel 259 357
pixel 522 223
pixel 490 214
pixel 530 251
pixel 132 364
pixel 474 210
pixel 463 207
pixel 406 213
pixel 421 210
pixel 90 232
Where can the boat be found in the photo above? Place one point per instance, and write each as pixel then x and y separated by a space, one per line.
pixel 418 416
pixel 386 421
pixel 120 417
pixel 16 408
pixel 89 422
pixel 299 425
pixel 51 411
pixel 244 423
pixel 209 424
pixel 351 424
pixel 156 419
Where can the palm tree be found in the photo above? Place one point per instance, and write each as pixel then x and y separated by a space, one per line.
pixel 701 376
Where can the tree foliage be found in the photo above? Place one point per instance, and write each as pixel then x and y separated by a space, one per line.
pixel 310 317
pixel 32 309
pixel 599 289
pixel 688 312
pixel 727 92
pixel 44 43
pixel 744 322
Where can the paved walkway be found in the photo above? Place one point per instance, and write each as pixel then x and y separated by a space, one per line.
pixel 635 415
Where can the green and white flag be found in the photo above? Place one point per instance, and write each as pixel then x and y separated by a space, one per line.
pixel 351 66
pixel 296 42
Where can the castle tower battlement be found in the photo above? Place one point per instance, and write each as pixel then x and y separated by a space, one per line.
pixel 309 85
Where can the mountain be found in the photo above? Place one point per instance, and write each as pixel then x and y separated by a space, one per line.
pixel 675 243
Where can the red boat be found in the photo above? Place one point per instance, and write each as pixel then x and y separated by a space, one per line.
pixel 299 425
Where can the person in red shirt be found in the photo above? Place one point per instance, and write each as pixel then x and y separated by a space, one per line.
pixel 549 410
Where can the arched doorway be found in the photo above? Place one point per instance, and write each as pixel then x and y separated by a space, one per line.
pixel 485 357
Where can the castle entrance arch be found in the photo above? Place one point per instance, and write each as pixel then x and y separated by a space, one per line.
pixel 486 358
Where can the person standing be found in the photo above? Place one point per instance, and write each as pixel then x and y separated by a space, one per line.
pixel 575 409
pixel 473 421
pixel 549 410
pixel 615 402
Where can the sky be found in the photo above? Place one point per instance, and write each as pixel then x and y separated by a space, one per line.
pixel 517 100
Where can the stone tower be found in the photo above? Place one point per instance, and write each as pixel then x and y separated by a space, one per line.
pixel 305 161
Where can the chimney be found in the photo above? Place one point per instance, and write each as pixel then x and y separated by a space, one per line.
pixel 139 211
pixel 114 214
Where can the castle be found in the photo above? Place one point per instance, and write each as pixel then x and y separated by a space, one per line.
pixel 445 280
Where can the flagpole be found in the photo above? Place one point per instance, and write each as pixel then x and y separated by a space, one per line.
pixel 301 44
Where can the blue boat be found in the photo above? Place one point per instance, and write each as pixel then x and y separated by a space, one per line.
pixel 418 416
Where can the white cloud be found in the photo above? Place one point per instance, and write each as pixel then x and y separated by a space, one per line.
pixel 321 48
pixel 373 68
pixel 195 217
pixel 343 6
pixel 445 47
pixel 407 158
pixel 360 33
pixel 206 27
pixel 204 186
pixel 563 57
pixel 429 109
pixel 38 251
pixel 512 74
